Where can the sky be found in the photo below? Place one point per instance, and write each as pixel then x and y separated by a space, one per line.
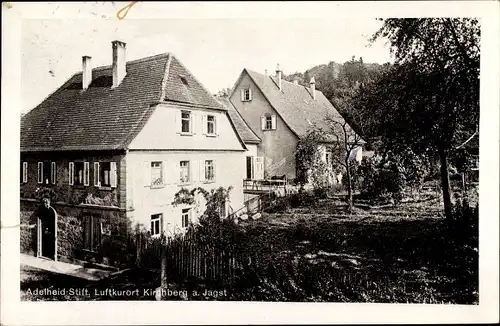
pixel 215 50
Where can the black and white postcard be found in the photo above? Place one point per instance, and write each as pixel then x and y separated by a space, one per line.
pixel 249 162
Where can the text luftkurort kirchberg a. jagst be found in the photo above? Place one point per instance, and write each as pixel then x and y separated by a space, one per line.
pixel 109 292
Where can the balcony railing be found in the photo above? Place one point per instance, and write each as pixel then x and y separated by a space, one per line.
pixel 265 185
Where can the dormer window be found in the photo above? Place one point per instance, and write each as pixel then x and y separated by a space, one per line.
pixel 184 80
pixel 246 95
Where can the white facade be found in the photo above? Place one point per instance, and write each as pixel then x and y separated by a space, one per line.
pixel 164 158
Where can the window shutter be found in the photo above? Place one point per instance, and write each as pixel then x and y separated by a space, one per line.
pixel 86 174
pixel 242 95
pixel 53 173
pixel 25 172
pixel 204 124
pixel 202 170
pixel 249 94
pixel 263 122
pixel 193 170
pixel 112 174
pixel 215 169
pixel 40 172
pixel 193 116
pixel 96 174
pixel 178 121
pixel 146 169
pixel 259 168
pixel 71 173
pixel 177 172
pixel 164 172
pixel 273 122
pixel 216 131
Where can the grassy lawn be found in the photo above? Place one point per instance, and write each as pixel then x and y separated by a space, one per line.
pixel 404 253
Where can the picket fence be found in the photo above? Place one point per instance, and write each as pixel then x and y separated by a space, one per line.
pixel 189 261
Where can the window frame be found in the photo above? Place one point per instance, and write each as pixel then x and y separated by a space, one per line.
pixel 156 218
pixel 159 169
pixel 213 124
pixel 269 122
pixel 246 94
pixel 209 180
pixel 46 173
pixel 186 214
pixel 184 182
pixel 102 172
pixel 76 168
pixel 190 122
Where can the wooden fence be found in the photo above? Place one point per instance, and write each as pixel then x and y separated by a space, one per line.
pixel 189 261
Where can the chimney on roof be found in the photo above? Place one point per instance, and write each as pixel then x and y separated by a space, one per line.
pixel 265 72
pixel 312 84
pixel 278 75
pixel 119 62
pixel 86 71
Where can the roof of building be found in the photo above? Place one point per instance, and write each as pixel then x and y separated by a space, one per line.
pixel 106 118
pixel 241 126
pixel 296 106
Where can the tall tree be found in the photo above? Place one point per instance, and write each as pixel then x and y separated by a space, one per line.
pixel 429 100
pixel 345 143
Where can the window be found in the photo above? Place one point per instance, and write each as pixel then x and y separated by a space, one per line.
pixel 185 121
pixel 24 172
pixel 79 170
pixel 156 222
pixel 209 170
pixel 184 169
pixel 47 172
pixel 268 122
pixel 246 95
pixel 211 125
pixel 184 80
pixel 81 174
pixel 92 232
pixel 186 214
pixel 104 174
pixel 156 174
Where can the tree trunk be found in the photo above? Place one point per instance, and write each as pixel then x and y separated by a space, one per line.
pixel 349 187
pixel 445 184
pixel 164 263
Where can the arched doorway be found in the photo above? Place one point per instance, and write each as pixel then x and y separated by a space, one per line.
pixel 47 231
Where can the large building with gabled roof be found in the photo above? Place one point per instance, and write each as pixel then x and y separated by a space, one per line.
pixel 112 146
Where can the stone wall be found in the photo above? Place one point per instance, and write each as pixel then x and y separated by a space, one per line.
pixel 116 234
pixel 27 233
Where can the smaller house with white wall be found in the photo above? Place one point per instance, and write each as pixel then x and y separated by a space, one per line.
pixel 280 113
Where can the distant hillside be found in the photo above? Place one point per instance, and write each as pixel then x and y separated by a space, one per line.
pixel 340 82
pixel 335 79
